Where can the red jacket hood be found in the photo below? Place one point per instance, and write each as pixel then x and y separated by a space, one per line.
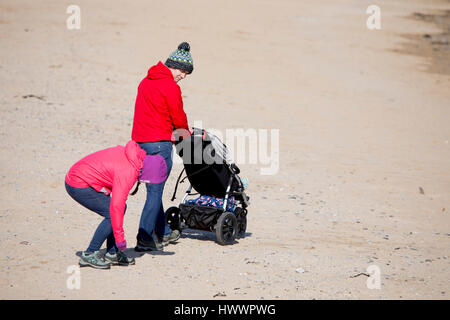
pixel 159 71
pixel 135 154
pixel 159 107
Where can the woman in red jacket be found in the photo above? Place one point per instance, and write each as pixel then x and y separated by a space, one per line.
pixel 101 182
pixel 158 111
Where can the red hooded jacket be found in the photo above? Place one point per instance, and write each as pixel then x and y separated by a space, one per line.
pixel 113 170
pixel 159 107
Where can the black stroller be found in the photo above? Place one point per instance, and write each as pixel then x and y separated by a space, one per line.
pixel 211 173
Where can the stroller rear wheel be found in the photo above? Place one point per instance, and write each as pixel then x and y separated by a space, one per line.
pixel 226 228
pixel 241 216
pixel 173 218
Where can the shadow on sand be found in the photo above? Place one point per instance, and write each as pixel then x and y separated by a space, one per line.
pixel 130 252
pixel 204 235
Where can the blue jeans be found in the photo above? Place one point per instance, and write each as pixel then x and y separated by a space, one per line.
pixel 152 218
pixel 99 203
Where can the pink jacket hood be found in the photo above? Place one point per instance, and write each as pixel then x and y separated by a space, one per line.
pixel 135 154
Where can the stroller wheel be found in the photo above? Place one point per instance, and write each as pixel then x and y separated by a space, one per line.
pixel 226 228
pixel 173 218
pixel 241 216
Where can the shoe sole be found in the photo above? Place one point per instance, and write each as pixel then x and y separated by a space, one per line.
pixel 121 264
pixel 146 249
pixel 87 264
pixel 166 243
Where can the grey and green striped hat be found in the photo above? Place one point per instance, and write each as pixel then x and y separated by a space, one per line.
pixel 181 58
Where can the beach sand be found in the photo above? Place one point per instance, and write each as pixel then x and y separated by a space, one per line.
pixel 363 119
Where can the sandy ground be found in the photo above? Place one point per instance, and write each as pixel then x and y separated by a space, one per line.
pixel 363 150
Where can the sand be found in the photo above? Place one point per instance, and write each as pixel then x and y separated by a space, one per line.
pixel 363 119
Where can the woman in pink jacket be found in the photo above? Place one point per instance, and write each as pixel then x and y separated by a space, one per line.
pixel 101 182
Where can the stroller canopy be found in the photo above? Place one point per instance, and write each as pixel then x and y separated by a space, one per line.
pixel 208 164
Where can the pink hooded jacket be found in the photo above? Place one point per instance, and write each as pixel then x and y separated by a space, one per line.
pixel 111 171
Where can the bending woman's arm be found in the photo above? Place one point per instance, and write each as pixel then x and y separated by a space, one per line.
pixel 122 185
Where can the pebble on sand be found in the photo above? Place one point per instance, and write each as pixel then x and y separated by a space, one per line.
pixel 300 270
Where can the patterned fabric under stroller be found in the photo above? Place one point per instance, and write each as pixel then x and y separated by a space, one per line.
pixel 222 203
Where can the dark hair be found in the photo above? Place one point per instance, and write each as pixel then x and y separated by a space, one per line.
pixel 135 189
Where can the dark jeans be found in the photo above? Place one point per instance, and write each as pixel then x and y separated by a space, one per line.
pixel 152 218
pixel 99 203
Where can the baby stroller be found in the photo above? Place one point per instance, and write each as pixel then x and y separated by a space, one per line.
pixel 213 176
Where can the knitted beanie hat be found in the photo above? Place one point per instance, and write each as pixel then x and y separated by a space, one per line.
pixel 181 58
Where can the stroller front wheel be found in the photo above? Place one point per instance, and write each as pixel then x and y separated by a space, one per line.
pixel 173 218
pixel 226 228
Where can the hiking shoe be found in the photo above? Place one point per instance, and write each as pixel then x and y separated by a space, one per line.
pixel 119 259
pixel 93 260
pixel 171 238
pixel 143 245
